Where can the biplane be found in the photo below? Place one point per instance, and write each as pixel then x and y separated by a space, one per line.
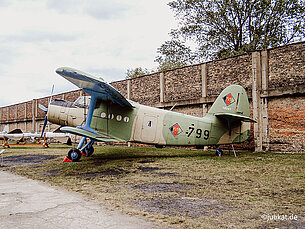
pixel 107 116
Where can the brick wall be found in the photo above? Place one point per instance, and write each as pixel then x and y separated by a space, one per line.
pixel 286 66
pixel 29 113
pixel 223 73
pixel 145 90
pixel 183 83
pixel 72 96
pixel 121 86
pixel 287 124
pixel 195 110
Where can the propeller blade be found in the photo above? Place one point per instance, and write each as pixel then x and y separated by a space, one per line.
pixel 46 110
pixel 42 107
pixel 50 100
pixel 44 125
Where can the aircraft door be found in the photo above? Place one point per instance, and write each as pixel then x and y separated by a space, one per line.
pixel 149 129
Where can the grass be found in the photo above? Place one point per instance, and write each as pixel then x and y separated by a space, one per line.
pixel 180 187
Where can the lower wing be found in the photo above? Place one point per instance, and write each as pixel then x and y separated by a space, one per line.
pixel 88 134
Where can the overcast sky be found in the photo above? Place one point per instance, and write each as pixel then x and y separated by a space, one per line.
pixel 101 37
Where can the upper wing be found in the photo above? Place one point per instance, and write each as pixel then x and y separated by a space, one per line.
pixel 91 84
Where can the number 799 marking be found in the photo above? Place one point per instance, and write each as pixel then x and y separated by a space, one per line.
pixel 206 133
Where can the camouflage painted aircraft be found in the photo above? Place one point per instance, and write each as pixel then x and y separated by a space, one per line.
pixel 107 116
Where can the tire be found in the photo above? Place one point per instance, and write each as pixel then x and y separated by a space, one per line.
pixel 74 155
pixel 89 151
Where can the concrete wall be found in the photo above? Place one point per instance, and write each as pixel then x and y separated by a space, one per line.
pixel 274 80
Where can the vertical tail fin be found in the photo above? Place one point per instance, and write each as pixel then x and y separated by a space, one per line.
pixel 6 129
pixel 233 112
pixel 232 103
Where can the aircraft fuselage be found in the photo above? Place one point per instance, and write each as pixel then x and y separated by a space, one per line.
pixel 150 125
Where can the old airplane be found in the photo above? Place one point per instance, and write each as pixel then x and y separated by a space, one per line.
pixel 31 138
pixel 107 116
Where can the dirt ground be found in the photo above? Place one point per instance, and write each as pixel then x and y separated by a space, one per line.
pixel 182 188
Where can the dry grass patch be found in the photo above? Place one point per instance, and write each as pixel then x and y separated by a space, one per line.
pixel 182 187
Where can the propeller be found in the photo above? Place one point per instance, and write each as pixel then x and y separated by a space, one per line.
pixel 42 107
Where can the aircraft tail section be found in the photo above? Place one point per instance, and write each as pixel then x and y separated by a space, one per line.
pixel 6 129
pixel 232 104
pixel 232 112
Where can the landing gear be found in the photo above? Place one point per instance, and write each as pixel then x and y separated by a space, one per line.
pixel 74 155
pixel 88 151
pixel 219 152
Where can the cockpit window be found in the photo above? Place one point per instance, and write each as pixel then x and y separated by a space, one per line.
pixel 82 101
pixel 62 103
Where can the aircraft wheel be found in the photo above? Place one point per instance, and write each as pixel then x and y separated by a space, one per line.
pixel 219 152
pixel 74 155
pixel 89 151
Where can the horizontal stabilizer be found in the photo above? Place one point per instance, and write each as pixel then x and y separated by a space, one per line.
pixel 88 134
pixel 234 117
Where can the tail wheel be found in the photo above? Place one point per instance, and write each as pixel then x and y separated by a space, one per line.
pixel 219 152
pixel 74 155
pixel 89 151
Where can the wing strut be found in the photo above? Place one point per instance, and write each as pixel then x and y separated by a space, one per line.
pixel 87 125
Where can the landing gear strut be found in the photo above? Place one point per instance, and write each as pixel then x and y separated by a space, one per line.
pixel 75 154
pixel 219 152
pixel 88 151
